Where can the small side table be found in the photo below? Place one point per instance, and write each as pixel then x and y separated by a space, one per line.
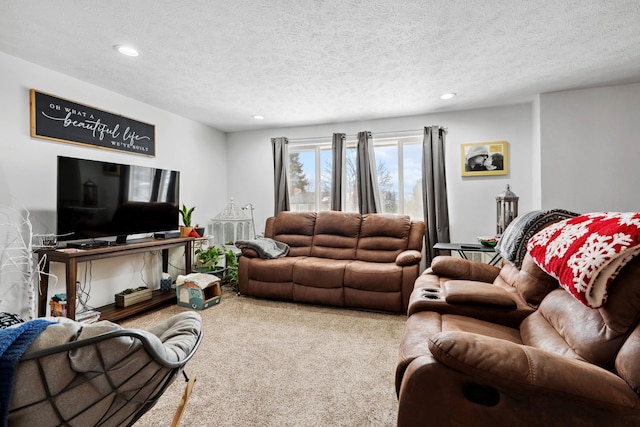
pixel 461 248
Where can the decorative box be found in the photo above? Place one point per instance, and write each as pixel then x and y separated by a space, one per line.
pixel 127 298
pixel 165 284
pixel 198 291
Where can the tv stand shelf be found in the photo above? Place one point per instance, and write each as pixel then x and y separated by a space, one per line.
pixel 158 299
pixel 71 258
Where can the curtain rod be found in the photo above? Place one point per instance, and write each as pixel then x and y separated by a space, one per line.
pixel 354 136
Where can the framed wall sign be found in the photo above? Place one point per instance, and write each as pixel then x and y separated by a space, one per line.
pixel 485 158
pixel 62 120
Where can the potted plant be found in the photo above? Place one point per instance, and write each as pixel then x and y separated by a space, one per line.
pixel 210 259
pixel 231 276
pixel 186 228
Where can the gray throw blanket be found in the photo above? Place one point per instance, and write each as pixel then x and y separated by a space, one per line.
pixel 265 247
pixel 513 243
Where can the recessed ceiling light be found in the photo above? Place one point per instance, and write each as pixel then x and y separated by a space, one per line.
pixel 126 50
pixel 258 117
pixel 447 95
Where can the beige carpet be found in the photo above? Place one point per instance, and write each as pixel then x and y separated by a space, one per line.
pixel 268 363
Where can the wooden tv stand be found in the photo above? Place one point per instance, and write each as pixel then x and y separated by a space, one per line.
pixel 70 258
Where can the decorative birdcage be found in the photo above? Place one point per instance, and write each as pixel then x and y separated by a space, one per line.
pixel 232 224
pixel 506 209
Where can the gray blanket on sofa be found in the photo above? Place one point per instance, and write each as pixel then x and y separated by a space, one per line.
pixel 265 247
pixel 513 243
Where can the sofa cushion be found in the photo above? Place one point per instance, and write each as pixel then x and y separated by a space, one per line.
pixel 595 335
pixel 532 283
pixel 627 364
pixel 563 326
pixel 383 237
pixel 296 230
pixel 272 270
pixel 320 272
pixel 373 276
pixel 336 235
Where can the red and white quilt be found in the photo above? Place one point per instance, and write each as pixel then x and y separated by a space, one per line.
pixel 585 253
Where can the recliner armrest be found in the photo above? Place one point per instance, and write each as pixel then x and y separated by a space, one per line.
pixel 459 268
pixel 409 257
pixel 250 253
pixel 523 369
pixel 477 293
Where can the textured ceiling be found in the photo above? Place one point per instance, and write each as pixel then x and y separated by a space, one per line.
pixel 300 62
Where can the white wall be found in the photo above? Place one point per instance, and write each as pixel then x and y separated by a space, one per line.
pixel 536 160
pixel 28 165
pixel 575 150
pixel 471 199
pixel 590 149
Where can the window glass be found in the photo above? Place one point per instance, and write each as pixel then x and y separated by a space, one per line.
pixel 399 171
pixel 387 170
pixel 412 180
pixel 325 179
pixel 302 180
pixel 350 189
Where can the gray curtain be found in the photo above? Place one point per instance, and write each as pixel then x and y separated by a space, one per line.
pixel 338 157
pixel 367 175
pixel 434 189
pixel 280 173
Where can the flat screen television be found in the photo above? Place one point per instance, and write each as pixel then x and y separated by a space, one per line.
pixel 100 199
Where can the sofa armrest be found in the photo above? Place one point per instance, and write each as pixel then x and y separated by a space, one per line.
pixel 464 269
pixel 477 293
pixel 523 369
pixel 250 253
pixel 409 257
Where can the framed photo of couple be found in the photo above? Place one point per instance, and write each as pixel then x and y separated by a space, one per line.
pixel 485 158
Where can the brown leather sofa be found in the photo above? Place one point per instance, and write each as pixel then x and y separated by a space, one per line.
pixel 563 364
pixel 342 259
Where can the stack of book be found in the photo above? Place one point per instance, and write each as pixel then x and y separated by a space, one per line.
pixel 89 316
pixel 58 305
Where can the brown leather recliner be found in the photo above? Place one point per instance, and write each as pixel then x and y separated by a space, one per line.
pixel 470 288
pixel 501 295
pixel 566 364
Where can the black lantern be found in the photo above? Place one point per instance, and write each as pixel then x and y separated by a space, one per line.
pixel 506 209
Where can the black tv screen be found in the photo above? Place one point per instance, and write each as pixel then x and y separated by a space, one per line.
pixel 100 199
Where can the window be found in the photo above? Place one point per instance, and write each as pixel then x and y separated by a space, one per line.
pixel 399 169
pixel 310 177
